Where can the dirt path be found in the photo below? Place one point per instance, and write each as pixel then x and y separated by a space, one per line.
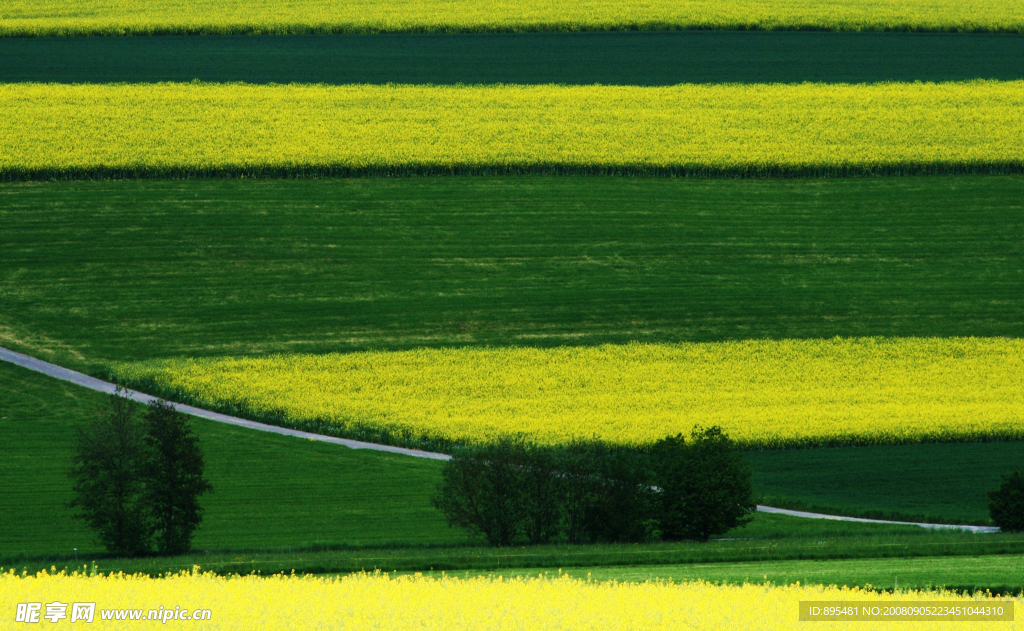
pixel 99 385
pixel 81 379
pixel 797 513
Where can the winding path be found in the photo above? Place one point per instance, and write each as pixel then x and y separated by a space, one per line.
pixel 797 513
pixel 92 383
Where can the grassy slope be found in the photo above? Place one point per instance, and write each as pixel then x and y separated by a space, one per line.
pixel 942 482
pixel 94 272
pixel 92 17
pixel 280 504
pixel 624 58
pixel 995 572
pixel 269 491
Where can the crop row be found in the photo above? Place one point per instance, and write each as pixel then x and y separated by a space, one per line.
pixel 152 17
pixel 380 601
pixel 763 393
pixel 185 129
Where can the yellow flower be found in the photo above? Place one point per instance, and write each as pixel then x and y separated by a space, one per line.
pixel 378 601
pixel 399 129
pixel 878 390
pixel 56 17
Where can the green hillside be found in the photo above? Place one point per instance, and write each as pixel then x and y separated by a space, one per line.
pixel 104 271
pixel 269 491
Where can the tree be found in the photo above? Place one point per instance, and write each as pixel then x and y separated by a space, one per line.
pixel 620 511
pixel 482 490
pixel 703 486
pixel 174 478
pixel 580 487
pixel 606 493
pixel 139 480
pixel 542 495
pixel 108 476
pixel 1006 505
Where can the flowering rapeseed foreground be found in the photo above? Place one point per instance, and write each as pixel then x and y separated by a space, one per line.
pixel 92 17
pixel 374 601
pixel 866 390
pixel 184 129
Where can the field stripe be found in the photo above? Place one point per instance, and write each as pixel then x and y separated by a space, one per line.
pixel 196 130
pixel 763 393
pixel 190 17
pixel 92 383
pixel 645 58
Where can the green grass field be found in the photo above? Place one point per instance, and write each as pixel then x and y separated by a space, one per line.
pixel 281 503
pixel 850 560
pixel 785 548
pixel 937 482
pixel 100 274
pixel 95 272
pixel 1003 573
pixel 609 58
pixel 269 491
pixel 766 540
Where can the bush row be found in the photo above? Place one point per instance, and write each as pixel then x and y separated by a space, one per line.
pixel 588 491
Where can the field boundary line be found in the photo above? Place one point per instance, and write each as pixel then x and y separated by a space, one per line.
pixel 805 514
pixel 92 383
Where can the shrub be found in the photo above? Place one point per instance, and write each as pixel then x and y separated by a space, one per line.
pixel 590 491
pixel 619 493
pixel 704 486
pixel 1006 505
pixel 543 494
pixel 482 490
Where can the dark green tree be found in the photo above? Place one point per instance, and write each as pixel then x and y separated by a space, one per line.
pixel 543 495
pixel 174 478
pixel 703 485
pixel 580 487
pixel 1006 505
pixel 621 510
pixel 482 490
pixel 108 475
pixel 607 496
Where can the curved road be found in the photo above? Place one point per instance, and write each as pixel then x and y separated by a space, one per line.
pixel 92 383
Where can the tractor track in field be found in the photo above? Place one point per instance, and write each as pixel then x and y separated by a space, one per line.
pixel 92 383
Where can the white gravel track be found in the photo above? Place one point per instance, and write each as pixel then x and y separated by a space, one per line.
pixel 99 385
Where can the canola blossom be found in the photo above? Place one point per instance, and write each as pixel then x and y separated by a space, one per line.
pixel 194 129
pixel 376 601
pixel 762 393
pixel 146 17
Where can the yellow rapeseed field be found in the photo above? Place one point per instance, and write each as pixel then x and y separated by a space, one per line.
pixel 118 17
pixel 761 392
pixel 181 128
pixel 374 601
